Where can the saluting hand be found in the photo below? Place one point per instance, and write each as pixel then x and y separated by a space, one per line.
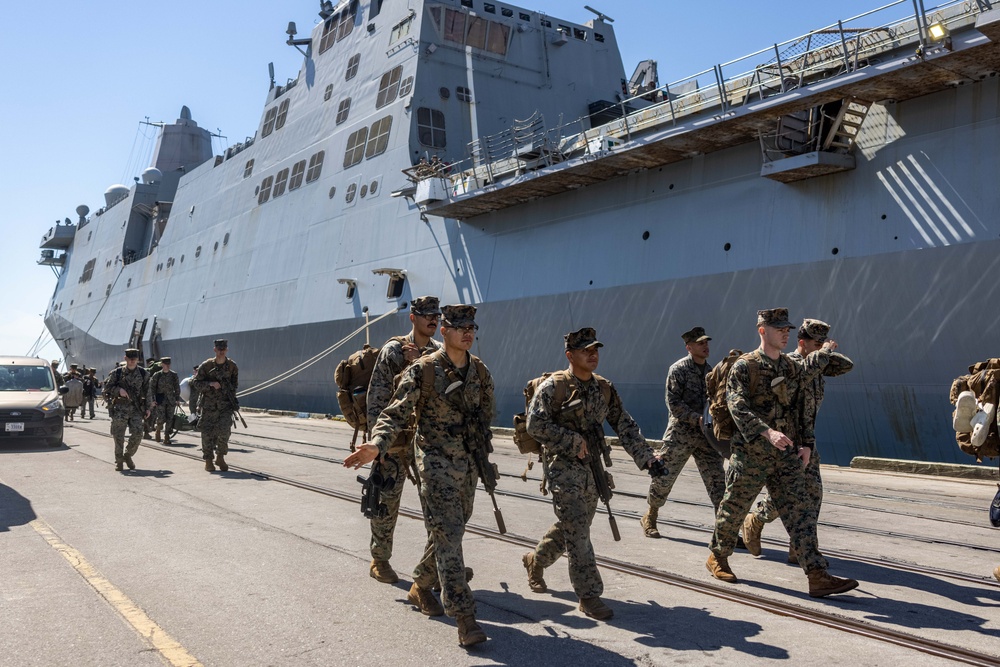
pixel 778 439
pixel 365 453
pixel 830 345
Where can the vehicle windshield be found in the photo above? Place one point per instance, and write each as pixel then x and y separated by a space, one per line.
pixel 25 378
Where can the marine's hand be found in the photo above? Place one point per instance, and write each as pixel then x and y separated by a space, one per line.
pixel 410 352
pixel 365 453
pixel 830 345
pixel 147 414
pixel 778 439
pixel 656 467
pixel 805 453
pixel 581 445
pixel 215 385
pixel 122 393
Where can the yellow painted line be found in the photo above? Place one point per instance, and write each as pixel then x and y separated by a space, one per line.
pixel 172 652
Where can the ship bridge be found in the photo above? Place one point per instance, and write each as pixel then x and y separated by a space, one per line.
pixel 805 101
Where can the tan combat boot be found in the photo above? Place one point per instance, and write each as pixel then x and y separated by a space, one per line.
pixel 996 574
pixel 157 438
pixel 536 582
pixel 423 599
pixel 648 522
pixel 752 527
pixel 469 632
pixel 595 608
pixel 120 465
pixel 381 571
pixel 822 583
pixel 208 465
pixel 221 462
pixel 719 567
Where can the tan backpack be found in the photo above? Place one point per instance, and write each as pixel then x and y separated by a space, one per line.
pixel 565 384
pixel 352 377
pixel 983 381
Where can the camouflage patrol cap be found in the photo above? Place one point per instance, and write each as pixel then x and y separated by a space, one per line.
pixel 131 353
pixel 73 367
pixel 696 335
pixel 91 370
pixel 774 317
pixel 165 360
pixel 459 316
pixel 55 362
pixel 582 339
pixel 814 330
pixel 221 344
pixel 425 305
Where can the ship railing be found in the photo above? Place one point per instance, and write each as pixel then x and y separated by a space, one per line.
pixel 830 51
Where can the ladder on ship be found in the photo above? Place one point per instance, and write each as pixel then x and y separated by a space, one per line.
pixel 845 128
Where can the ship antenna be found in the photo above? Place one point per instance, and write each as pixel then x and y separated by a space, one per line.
pixel 270 70
pixel 601 16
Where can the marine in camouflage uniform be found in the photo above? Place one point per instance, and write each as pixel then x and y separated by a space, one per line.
pixel 164 390
pixel 133 381
pixel 447 471
pixel 559 431
pixel 772 440
pixel 686 397
pixel 392 359
pixel 216 381
pixel 812 334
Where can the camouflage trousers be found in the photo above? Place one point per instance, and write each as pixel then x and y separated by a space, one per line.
pixel 215 429
pixel 766 510
pixel 574 499
pixel 384 527
pixel 122 419
pixel 448 486
pixel 161 413
pixel 675 455
pixel 751 466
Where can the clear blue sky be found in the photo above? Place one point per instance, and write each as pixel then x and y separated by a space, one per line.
pixel 81 76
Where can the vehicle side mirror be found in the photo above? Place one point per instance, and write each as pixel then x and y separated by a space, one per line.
pixel 63 389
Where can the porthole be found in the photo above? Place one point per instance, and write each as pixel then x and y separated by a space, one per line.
pixel 373 187
pixel 727 247
pixel 835 251
pixel 883 216
pixel 364 190
pixel 445 93
pixel 225 239
pixel 351 191
pixel 216 247
pixel 89 293
pixel 671 187
pixel 197 252
pixel 645 236
pixel 333 191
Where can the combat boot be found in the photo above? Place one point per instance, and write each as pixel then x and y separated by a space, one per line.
pixel 381 571
pixel 147 435
pixel 536 582
pixel 423 599
pixel 120 465
pixel 469 632
pixel 221 462
pixel 793 558
pixel 996 574
pixel 157 438
pixel 208 465
pixel 648 522
pixel 166 440
pixel 822 583
pixel 595 608
pixel 965 410
pixel 719 567
pixel 129 462
pixel 752 527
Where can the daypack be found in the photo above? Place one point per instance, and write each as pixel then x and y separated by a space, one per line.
pixel 352 376
pixel 983 381
pixel 565 382
pixel 723 425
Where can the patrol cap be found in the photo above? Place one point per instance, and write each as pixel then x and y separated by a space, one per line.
pixel 459 316
pixel 774 317
pixel 696 335
pixel 55 362
pixel 814 330
pixel 91 370
pixel 74 366
pixel 582 339
pixel 221 344
pixel 425 305
pixel 131 353
pixel 165 360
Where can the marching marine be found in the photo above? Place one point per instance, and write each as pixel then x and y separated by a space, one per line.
pixel 125 391
pixel 164 389
pixel 566 406
pixel 451 393
pixel 812 334
pixel 686 397
pixel 216 381
pixel 771 445
pixel 393 358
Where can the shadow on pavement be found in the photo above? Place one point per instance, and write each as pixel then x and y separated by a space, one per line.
pixel 15 509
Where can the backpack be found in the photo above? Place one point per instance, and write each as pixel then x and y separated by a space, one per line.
pixel 723 425
pixel 352 376
pixel 565 383
pixel 983 381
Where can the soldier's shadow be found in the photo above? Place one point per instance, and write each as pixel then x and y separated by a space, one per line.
pixel 15 509
pixel 157 474
pixel 232 474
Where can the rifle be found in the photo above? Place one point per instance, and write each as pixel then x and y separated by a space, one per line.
pixel 598 457
pixel 372 488
pixel 230 396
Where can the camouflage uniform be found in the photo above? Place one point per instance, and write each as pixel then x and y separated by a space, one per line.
pixel 686 398
pixel 124 413
pixel 164 390
pixel 765 509
pixel 447 472
pixel 390 363
pixel 755 407
pixel 574 494
pixel 217 410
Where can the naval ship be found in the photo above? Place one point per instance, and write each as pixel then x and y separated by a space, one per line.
pixel 498 156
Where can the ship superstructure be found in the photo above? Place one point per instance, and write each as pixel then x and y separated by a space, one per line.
pixel 498 156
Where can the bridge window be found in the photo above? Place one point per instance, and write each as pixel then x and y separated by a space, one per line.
pixel 463 94
pixel 477 32
pixel 328 93
pixel 279 183
pixel 405 86
pixel 489 8
pixel 88 270
pixel 430 127
pixel 248 170
pixel 389 86
pixel 315 166
pixel 282 115
pixel 498 36
pixel 374 11
pixel 265 190
pixel 454 26
pixel 355 147
pixel 269 119
pixel 343 110
pixel 378 137
pixel 401 29
pixel 298 169
pixel 352 67
pixel 347 21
